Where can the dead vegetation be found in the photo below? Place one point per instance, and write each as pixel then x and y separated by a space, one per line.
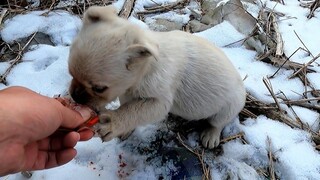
pixel 200 155
pixel 164 8
pixel 264 29
pixel 275 55
pixel 312 5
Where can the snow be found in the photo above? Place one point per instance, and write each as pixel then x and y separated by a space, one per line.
pixel 172 16
pixel 256 71
pixel 296 156
pixel 3 66
pixel 59 25
pixel 309 117
pixel 232 169
pixel 140 5
pixel 34 3
pixel 138 22
pixel 296 21
pixel 222 34
pixel 118 4
pixel 314 79
pixel 44 70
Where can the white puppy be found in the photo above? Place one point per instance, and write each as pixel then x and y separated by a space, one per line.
pixel 153 73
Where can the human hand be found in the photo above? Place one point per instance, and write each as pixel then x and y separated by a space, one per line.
pixel 28 123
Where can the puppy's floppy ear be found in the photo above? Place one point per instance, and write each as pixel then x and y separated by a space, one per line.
pixel 138 53
pixel 99 13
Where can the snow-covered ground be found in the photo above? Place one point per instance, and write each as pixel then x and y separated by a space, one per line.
pixel 44 70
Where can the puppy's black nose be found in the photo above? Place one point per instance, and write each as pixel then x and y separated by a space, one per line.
pixel 80 96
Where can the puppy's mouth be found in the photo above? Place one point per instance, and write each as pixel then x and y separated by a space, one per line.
pixel 80 96
pixel 94 108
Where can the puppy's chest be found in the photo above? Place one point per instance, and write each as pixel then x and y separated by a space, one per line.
pixel 145 90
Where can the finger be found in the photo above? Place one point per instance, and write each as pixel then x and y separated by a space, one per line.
pixel 86 134
pixel 59 142
pixel 60 157
pixel 71 139
pixel 49 159
pixel 18 89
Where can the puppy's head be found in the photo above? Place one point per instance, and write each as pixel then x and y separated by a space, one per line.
pixel 109 56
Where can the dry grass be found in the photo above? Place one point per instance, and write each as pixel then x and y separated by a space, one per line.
pixel 164 8
pixel 205 167
pixel 16 60
pixel 272 174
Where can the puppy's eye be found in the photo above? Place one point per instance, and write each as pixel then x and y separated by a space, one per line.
pixel 99 89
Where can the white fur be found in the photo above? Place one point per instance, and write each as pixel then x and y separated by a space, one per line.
pixel 179 73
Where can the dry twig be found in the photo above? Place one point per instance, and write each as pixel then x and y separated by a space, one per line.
pixel 306 3
pixel 16 60
pixel 271 163
pixel 288 64
pixel 261 108
pixel 313 7
pixel 127 8
pixel 227 139
pixel 248 113
pixel 3 13
pixel 279 41
pixel 205 168
pixel 303 43
pixel 270 111
pixel 268 84
pixel 304 103
pixel 305 66
pixel 294 112
pixel 164 8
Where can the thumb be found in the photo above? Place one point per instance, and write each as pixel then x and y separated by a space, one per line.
pixel 73 118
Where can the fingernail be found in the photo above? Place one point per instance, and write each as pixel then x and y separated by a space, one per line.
pixel 78 137
pixel 84 111
pixel 83 128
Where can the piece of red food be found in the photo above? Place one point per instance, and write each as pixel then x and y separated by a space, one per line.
pixel 91 122
pixel 67 102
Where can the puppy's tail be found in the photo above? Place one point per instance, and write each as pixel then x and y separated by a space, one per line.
pixel 99 13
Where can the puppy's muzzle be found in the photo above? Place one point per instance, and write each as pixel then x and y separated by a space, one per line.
pixel 79 95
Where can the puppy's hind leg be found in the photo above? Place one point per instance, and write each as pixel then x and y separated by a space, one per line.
pixel 210 137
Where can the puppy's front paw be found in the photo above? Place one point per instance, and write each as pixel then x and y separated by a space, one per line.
pixel 210 137
pixel 125 136
pixel 105 128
